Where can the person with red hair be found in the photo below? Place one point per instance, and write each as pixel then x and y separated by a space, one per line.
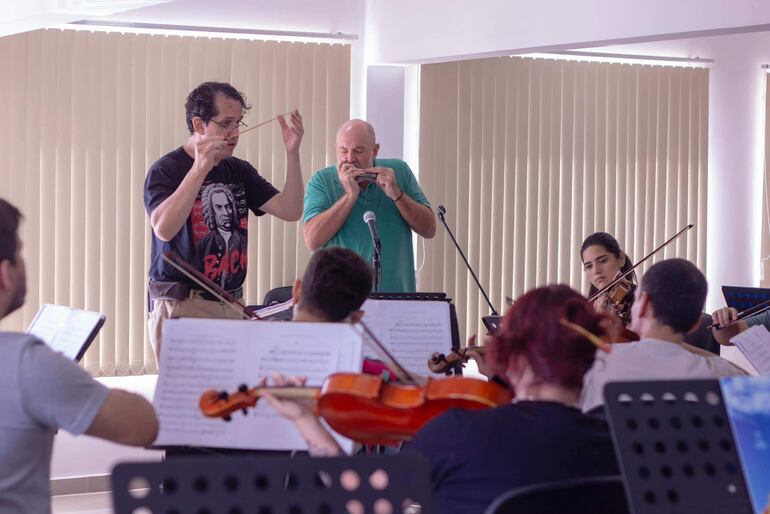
pixel 542 352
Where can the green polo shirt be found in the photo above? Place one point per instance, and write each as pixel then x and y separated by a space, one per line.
pixel 324 189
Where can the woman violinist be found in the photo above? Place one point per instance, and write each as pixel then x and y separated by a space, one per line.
pixel 603 261
pixel 542 353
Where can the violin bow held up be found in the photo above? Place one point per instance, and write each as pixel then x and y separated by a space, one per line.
pixel 632 268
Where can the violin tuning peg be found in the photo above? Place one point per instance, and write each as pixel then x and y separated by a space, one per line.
pixel 226 418
pixel 243 388
pixel 245 412
pixel 223 395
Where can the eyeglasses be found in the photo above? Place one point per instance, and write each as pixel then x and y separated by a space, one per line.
pixel 231 125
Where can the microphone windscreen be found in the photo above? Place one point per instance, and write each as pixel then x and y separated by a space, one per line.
pixel 369 216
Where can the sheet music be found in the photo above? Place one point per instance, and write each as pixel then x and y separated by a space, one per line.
pixel 411 330
pixel 63 328
pixel 754 343
pixel 201 354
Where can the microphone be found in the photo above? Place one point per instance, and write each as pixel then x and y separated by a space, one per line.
pixel 441 212
pixel 371 221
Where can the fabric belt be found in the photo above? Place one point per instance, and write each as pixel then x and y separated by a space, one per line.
pixel 199 293
pixel 158 290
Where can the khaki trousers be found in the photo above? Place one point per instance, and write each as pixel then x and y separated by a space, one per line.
pixel 193 307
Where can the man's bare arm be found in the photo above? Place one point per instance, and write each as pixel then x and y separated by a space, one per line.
pixel 172 213
pixel 125 418
pixel 322 227
pixel 418 216
pixel 287 205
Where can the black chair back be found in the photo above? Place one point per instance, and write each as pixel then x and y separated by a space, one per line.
pixel 591 495
pixel 278 295
pixel 702 337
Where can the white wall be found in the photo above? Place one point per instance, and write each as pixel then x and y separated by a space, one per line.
pixel 385 107
pixel 409 31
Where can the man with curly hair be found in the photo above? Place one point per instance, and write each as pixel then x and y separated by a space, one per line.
pixel 198 199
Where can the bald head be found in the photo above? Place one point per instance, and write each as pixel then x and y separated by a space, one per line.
pixel 362 129
pixel 357 144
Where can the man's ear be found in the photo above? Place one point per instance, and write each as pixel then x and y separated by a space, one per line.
pixel 197 123
pixel 356 316
pixel 296 291
pixel 645 305
pixel 375 150
pixel 7 276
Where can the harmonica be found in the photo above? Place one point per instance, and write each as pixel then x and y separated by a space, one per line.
pixel 367 176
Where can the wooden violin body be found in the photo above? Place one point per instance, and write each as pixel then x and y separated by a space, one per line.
pixel 370 411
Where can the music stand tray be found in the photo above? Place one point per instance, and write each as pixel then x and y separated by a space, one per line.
pixel 273 484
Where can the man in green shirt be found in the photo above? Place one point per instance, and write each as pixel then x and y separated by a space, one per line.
pixel 336 200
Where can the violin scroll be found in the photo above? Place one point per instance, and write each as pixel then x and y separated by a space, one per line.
pixel 220 404
pixel 443 363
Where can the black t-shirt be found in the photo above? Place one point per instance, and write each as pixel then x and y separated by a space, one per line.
pixel 215 236
pixel 478 455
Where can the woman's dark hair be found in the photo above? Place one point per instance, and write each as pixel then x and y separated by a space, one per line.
pixel 531 328
pixel 201 101
pixel 610 244
pixel 335 284
pixel 9 231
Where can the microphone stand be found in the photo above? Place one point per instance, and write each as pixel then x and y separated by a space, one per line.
pixel 441 212
pixel 377 265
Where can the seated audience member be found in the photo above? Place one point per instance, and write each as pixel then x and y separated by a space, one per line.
pixel 541 437
pixel 43 391
pixel 669 302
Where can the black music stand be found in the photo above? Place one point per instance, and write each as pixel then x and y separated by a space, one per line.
pixel 273 485
pixel 675 447
pixel 423 297
pixel 742 298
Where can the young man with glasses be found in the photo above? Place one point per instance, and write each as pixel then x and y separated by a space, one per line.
pixel 185 216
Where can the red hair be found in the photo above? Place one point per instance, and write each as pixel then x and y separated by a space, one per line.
pixel 531 328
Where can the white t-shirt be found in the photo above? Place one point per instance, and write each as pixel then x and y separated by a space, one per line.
pixel 649 359
pixel 40 392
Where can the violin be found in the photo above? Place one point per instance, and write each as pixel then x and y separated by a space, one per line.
pixel 619 293
pixel 442 363
pixel 619 299
pixel 367 409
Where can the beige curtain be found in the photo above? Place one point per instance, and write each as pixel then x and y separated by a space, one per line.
pixel 85 114
pixel 530 156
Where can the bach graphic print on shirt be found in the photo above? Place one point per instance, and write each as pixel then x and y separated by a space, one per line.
pixel 220 218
